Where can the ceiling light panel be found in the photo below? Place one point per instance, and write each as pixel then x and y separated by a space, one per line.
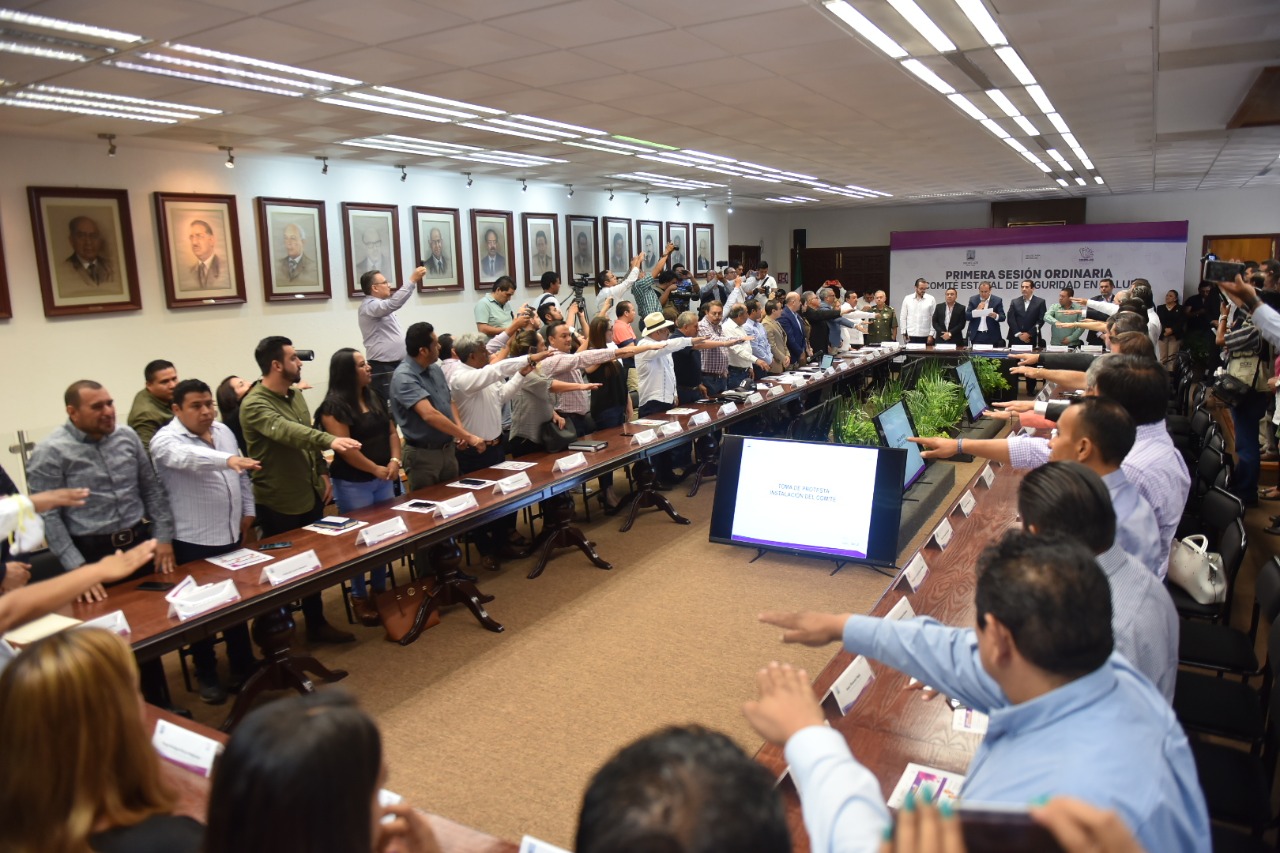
pixel 202 78
pixel 863 27
pixel 924 25
pixel 88 111
pixel 1026 125
pixel 976 12
pixel 1014 63
pixel 1001 100
pixel 57 25
pixel 7 46
pixel 922 71
pixel 1037 94
pixel 439 102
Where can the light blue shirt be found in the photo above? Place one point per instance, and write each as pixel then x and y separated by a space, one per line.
pixel 1137 531
pixel 1143 619
pixel 1108 738
pixel 759 343
pixel 841 800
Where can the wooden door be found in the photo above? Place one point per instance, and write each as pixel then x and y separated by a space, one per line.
pixel 862 268
pixel 1241 247
pixel 748 256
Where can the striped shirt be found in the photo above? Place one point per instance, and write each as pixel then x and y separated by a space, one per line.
pixel 208 498
pixel 1143 619
pixel 567 367
pixel 715 361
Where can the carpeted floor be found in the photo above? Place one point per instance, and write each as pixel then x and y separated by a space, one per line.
pixel 503 731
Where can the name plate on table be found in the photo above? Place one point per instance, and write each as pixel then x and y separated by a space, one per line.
pixel 1091 348
pixel 382 531
pixel 700 418
pixel 843 365
pixel 942 534
pixel 673 428
pixel 967 503
pixel 568 463
pixel 775 390
pixel 984 347
pixel 1056 348
pixel 514 483
pixel 529 844
pixel 459 505
pixel 727 409
pixel 645 437
pixel 915 346
pixel 829 371
pixel 851 683
pixel 901 610
pixel 1020 348
pixel 916 571
pixel 283 570
pixel 189 599
pixel 988 476
pixel 388 798
pixel 185 748
pixel 946 347
pixel 755 397
pixel 113 622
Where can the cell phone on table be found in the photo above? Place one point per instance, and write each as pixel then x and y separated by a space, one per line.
pixel 155 586
pixel 420 504
pixel 1001 828
pixel 469 482
pixel 275 546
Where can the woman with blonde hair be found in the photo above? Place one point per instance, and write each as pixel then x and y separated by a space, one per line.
pixel 79 771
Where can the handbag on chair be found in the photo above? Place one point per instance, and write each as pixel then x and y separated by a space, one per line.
pixel 1197 570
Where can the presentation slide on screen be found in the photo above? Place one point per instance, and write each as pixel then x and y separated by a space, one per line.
pixel 897 432
pixel 829 487
pixel 1052 256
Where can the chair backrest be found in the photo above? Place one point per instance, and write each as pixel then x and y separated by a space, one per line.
pixel 1214 440
pixel 1223 480
pixel 1209 464
pixel 1267 590
pixel 1234 543
pixel 1218 510
pixel 1201 420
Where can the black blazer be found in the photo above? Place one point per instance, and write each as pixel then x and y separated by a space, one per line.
pixel 1028 319
pixel 956 328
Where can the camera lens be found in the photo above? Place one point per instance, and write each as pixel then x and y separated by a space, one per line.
pixel 306 354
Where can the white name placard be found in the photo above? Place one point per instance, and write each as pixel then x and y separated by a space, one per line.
pixel 755 398
pixel 645 437
pixel 727 409
pixel 942 534
pixel 382 531
pixel 673 428
pixel 917 570
pixel 851 683
pixel 1056 348
pixel 901 610
pixel 113 622
pixel 568 463
pixel 529 844
pixel 1091 348
pixel 915 346
pixel 700 418
pixel 1020 348
pixel 842 365
pixel 987 476
pixel 983 347
pixel 185 748
pixel 458 505
pixel 514 483
pixel 947 347
pixel 775 390
pixel 967 503
pixel 283 570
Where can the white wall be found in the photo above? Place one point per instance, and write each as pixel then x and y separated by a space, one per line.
pixel 1253 211
pixel 39 356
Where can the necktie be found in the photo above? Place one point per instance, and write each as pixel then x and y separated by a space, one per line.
pixel 293 269
pixel 93 272
pixel 203 274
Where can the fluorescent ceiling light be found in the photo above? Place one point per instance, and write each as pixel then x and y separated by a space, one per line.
pixel 492 129
pixel 802 198
pixel 1037 161
pixel 87 111
pixel 764 178
pixel 1002 101
pixel 1097 179
pixel 1084 160
pixel 1010 58
pixel 982 21
pixel 967 105
pixel 865 190
pixel 758 167
pixel 865 28
pixel 124 99
pixel 408 105
pixel 433 143
pixel 61 26
pixel 42 52
pixel 919 69
pixel 1025 123
pixel 717 169
pixel 203 78
pixel 1061 182
pixel 131 109
pixel 691 153
pixel 602 150
pixel 781 200
pixel 549 123
pixel 234 72
pixel 535 130
pixel 397 147
pixel 1080 181
pixel 1036 92
pixel 1015 145
pixel 1070 140
pixel 621 145
pixel 995 128
pixel 924 25
pixel 1058 123
pixel 432 99
pixel 798 176
pixel 259 63
pixel 646 143
pixel 374 108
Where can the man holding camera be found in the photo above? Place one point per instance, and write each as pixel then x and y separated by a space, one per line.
pixel 383 339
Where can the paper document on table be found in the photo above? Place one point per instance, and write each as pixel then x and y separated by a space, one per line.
pixel 237 560
pixel 929 784
pixel 513 465
pixel 38 629
pixel 679 411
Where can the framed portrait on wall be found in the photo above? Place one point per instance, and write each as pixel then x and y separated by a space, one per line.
pixel 437 243
pixel 704 248
pixel 617 244
pixel 199 249
pixel 371 238
pixel 583 240
pixel 84 250
pixel 493 246
pixel 6 307
pixel 678 233
pixel 541 246
pixel 649 243
pixel 293 239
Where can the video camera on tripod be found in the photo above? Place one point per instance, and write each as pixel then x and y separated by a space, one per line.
pixel 577 295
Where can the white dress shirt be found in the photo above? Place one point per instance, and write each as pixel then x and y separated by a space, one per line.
pixel 916 317
pixel 479 393
pixel 208 499
pixel 657 372
pixel 739 354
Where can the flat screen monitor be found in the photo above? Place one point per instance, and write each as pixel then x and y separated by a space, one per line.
pixel 895 426
pixel 809 498
pixel 827 360
pixel 972 390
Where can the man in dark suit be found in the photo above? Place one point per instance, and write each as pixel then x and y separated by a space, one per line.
pixel 437 264
pixel 949 320
pixel 790 322
pixel 1106 293
pixel 492 264
pixel 1026 316
pixel 985 330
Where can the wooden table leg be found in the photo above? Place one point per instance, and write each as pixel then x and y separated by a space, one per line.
pixel 452 588
pixel 280 670
pixel 558 532
pixel 708 450
pixel 647 495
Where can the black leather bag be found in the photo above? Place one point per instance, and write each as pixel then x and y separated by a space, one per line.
pixel 555 439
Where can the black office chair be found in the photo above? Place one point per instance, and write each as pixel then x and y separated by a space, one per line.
pixel 1214 512
pixel 1233 545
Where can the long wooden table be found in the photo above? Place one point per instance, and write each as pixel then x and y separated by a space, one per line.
pixel 890 726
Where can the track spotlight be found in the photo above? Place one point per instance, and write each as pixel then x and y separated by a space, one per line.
pixel 610 193
pixel 646 198
pixel 470 181
pixel 111 143
pixel 704 202
pixel 570 186
pixel 404 174
pixel 677 201
pixel 231 158
pixel 524 185
pixel 324 170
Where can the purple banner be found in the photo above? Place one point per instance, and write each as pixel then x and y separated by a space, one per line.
pixel 1126 232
